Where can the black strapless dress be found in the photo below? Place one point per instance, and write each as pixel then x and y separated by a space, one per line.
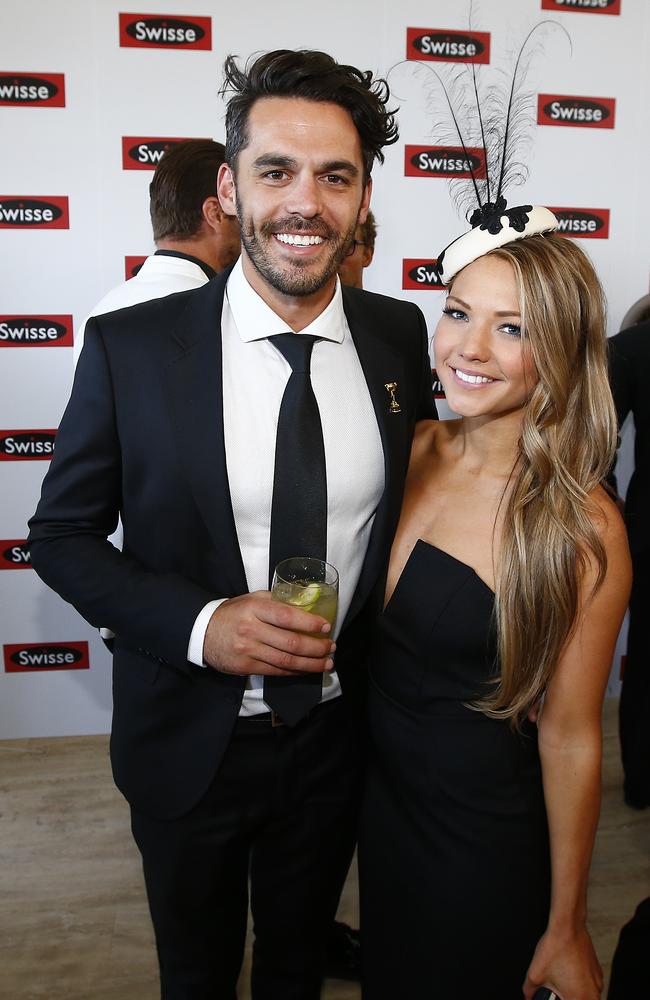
pixel 454 854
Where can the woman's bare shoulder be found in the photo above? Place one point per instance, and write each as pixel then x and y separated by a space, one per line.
pixel 431 436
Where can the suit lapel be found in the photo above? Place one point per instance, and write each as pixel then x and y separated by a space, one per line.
pixel 194 382
pixel 381 364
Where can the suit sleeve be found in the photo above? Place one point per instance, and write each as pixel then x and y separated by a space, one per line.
pixel 620 378
pixel 621 384
pixel 78 509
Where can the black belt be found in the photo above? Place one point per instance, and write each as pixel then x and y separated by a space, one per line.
pixel 273 720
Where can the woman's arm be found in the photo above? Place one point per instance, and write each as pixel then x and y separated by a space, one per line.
pixel 570 751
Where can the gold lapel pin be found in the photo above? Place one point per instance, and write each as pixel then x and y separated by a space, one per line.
pixel 394 406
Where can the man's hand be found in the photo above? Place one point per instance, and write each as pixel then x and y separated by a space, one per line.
pixel 253 634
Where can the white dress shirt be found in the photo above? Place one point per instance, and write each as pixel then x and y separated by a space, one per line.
pixel 255 375
pixel 161 274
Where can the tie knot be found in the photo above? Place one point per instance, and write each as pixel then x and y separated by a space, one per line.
pixel 296 348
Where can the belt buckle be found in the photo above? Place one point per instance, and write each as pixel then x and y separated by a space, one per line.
pixel 276 721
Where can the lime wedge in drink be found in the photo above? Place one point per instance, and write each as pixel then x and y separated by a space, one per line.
pixel 307 597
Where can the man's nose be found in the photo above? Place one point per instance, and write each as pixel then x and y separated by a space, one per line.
pixel 304 196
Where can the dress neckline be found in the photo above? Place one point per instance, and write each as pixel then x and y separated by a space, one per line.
pixel 448 555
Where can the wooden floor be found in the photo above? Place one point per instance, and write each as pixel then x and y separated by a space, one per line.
pixel 74 923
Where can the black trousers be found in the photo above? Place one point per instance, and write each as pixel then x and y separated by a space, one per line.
pixel 634 706
pixel 630 979
pixel 282 809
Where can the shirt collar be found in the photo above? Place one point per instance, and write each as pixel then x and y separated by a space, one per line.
pixel 255 320
pixel 207 270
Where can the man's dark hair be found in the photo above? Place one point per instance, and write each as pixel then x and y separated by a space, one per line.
pixel 184 178
pixel 314 76
pixel 369 231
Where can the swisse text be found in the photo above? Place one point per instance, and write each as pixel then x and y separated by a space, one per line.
pixel 583 223
pixel 447 46
pixel 589 6
pixel 436 386
pixel 26 445
pixel 17 212
pixel 46 656
pixel 418 273
pixel 14 554
pixel 444 161
pixel 38 91
pixel 590 112
pixel 162 31
pixel 145 152
pixel 31 331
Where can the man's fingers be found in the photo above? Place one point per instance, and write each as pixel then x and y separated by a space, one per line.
pixel 285 616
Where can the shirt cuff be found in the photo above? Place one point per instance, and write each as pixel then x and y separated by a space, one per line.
pixel 200 627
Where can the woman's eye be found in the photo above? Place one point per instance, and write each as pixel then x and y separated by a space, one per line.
pixel 454 313
pixel 511 329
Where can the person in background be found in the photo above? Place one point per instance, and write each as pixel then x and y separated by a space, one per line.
pixel 237 725
pixel 629 360
pixel 195 239
pixel 344 943
pixel 360 254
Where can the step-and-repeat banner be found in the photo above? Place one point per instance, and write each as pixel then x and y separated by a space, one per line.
pixel 91 95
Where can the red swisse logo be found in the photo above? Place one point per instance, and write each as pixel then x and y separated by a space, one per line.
pixel 583 223
pixel 14 554
pixel 441 45
pixel 587 6
pixel 443 161
pixel 34 90
pixel 35 331
pixel 132 265
pixel 26 212
pixel 420 273
pixel 27 657
pixel 140 153
pixel 165 31
pixel 436 386
pixel 17 446
pixel 586 112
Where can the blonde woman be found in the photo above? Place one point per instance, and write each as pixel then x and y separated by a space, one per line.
pixel 508 580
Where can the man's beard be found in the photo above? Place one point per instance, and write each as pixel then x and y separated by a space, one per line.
pixel 298 278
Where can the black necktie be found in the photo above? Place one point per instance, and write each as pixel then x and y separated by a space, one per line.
pixel 299 507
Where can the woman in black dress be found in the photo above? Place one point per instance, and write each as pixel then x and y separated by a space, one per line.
pixel 507 584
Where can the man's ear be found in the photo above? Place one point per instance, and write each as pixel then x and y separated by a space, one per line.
pixel 226 190
pixel 212 211
pixel 364 207
pixel 368 254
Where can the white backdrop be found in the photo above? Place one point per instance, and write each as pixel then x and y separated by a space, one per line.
pixel 72 148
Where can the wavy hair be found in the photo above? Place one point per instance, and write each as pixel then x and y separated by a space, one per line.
pixel 567 445
pixel 314 76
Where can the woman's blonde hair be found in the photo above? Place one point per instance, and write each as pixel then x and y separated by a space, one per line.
pixel 567 445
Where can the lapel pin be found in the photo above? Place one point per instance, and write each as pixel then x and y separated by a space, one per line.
pixel 394 406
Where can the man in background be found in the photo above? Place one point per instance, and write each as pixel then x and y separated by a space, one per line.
pixel 194 237
pixel 361 253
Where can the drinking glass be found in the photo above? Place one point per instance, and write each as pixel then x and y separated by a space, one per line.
pixel 309 584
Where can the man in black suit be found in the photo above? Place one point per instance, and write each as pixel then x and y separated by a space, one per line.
pixel 172 424
pixel 629 353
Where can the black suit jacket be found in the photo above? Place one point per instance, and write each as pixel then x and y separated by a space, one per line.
pixel 143 437
pixel 629 359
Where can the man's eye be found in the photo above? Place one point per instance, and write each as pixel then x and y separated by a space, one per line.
pixel 275 175
pixel 335 179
